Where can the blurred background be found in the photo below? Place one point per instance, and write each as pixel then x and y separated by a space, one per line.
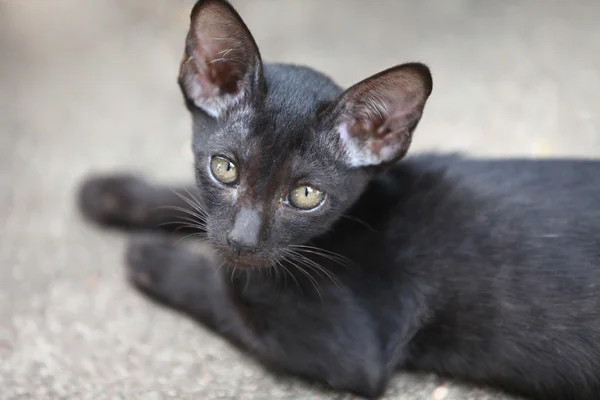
pixel 90 85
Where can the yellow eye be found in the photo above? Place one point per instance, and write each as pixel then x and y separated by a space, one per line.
pixel 223 170
pixel 306 197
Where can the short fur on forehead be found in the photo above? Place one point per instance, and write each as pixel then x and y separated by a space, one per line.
pixel 375 118
pixel 221 67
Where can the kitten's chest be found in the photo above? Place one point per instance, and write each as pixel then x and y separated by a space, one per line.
pixel 355 255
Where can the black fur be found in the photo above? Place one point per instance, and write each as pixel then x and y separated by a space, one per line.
pixel 482 270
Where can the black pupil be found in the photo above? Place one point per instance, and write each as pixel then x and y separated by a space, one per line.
pixel 306 191
pixel 228 166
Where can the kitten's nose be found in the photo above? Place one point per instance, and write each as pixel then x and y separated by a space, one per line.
pixel 245 234
pixel 239 246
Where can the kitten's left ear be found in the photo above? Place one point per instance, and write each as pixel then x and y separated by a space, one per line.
pixel 221 67
pixel 375 118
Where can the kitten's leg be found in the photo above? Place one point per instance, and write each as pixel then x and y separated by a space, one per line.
pixel 130 202
pixel 327 338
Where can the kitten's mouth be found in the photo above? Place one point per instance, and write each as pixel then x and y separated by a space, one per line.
pixel 246 261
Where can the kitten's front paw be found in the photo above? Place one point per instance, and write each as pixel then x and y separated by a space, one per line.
pixel 166 271
pixel 115 200
pixel 149 259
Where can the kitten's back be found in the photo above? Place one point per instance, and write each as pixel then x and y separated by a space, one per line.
pixel 510 251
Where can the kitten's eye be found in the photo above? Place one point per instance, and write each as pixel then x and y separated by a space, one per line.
pixel 223 170
pixel 306 197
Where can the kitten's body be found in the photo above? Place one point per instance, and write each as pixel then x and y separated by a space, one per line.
pixel 483 270
pixel 505 258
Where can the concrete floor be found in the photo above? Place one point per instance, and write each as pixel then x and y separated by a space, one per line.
pixel 90 85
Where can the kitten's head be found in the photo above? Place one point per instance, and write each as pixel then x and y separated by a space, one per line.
pixel 281 152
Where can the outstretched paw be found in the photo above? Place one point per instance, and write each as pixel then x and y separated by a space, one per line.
pixel 115 200
pixel 168 272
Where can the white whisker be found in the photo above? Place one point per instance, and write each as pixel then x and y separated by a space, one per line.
pixel 315 267
pixel 191 235
pixel 330 255
pixel 289 272
pixel 360 221
pixel 293 261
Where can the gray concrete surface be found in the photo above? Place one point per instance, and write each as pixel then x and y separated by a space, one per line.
pixel 90 85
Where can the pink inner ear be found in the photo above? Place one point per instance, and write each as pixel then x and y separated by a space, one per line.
pixel 377 116
pixel 367 148
pixel 220 61
pixel 221 58
pixel 401 120
pixel 222 74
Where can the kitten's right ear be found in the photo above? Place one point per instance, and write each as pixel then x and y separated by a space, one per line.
pixel 374 120
pixel 221 67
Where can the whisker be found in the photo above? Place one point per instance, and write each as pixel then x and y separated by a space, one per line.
pixel 232 272
pixel 360 221
pixel 189 219
pixel 222 257
pixel 196 217
pixel 190 222
pixel 196 228
pixel 198 214
pixel 185 221
pixel 167 223
pixel 196 201
pixel 330 255
pixel 186 211
pixel 282 265
pixel 192 202
pixel 304 246
pixel 276 274
pixel 316 267
pixel 310 278
pixel 191 235
pixel 194 211
pixel 276 267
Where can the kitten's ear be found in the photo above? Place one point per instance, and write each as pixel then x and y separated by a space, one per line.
pixel 221 67
pixel 375 118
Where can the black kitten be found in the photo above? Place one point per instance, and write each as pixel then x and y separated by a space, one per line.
pixel 482 270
